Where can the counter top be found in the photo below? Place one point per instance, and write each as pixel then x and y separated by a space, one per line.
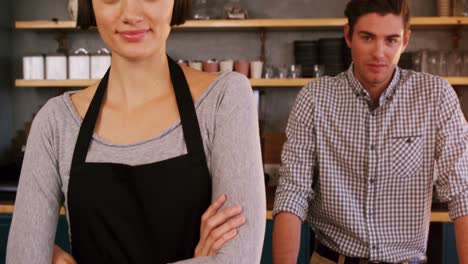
pixel 436 215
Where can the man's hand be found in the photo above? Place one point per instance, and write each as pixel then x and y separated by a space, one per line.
pixel 218 227
pixel 61 257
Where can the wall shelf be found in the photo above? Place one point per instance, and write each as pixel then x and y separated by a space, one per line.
pixel 45 24
pixel 456 81
pixel 418 22
pixel 54 83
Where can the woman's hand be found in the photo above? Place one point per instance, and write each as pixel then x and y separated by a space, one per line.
pixel 218 227
pixel 61 257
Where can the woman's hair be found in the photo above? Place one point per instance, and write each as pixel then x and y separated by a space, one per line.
pixel 357 8
pixel 86 18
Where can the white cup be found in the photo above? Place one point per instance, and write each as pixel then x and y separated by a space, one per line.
pixel 256 68
pixel 56 67
pixel 79 65
pixel 226 65
pixel 33 67
pixel 197 65
pixel 100 62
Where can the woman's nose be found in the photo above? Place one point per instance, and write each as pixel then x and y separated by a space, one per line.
pixel 132 11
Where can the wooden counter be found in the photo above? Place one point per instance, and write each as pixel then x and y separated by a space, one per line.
pixel 436 216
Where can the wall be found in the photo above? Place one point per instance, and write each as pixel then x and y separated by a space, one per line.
pixel 6 79
pixel 220 45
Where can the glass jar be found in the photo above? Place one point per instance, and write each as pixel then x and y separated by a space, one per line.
pixel 201 10
pixel 460 7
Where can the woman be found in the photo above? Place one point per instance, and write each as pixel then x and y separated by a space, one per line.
pixel 134 179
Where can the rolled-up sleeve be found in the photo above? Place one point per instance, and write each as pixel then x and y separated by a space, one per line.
pixel 298 159
pixel 451 154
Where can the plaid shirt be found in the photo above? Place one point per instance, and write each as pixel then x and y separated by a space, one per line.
pixel 362 174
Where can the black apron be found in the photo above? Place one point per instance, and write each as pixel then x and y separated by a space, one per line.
pixel 139 214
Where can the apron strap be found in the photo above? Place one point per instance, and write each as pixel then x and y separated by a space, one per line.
pixel 188 115
pixel 89 122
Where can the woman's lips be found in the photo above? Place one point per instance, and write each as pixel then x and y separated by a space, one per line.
pixel 134 35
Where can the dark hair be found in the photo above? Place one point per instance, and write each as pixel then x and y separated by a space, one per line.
pixel 357 8
pixel 86 18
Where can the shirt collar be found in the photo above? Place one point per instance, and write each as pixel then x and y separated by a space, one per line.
pixel 359 90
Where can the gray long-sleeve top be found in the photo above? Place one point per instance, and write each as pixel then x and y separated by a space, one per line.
pixel 227 115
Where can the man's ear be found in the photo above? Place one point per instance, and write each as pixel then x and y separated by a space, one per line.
pixel 346 35
pixel 406 39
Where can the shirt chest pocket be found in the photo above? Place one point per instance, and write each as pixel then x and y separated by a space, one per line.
pixel 406 155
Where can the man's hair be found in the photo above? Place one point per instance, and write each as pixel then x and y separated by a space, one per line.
pixel 357 8
pixel 86 18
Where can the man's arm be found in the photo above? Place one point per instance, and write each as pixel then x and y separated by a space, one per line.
pixel 461 234
pixel 452 161
pixel 286 238
pixel 295 184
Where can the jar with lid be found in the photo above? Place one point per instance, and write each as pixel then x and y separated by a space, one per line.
pixel 234 10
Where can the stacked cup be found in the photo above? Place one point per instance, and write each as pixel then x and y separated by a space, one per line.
pixel 443 7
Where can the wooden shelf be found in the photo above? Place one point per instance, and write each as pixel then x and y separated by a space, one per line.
pixel 45 24
pixel 83 83
pixel 54 83
pixel 439 21
pixel 280 82
pixel 259 23
pixel 265 23
pixel 457 80
pixel 254 82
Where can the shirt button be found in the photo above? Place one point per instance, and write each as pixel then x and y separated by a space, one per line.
pixel 372 113
pixel 372 181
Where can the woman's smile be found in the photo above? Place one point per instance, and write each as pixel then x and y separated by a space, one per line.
pixel 134 35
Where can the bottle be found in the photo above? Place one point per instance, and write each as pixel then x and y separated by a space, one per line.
pixel 73 9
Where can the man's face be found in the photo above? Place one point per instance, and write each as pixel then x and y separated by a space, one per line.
pixel 376 45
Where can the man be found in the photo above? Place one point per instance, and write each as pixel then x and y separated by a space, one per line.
pixel 362 148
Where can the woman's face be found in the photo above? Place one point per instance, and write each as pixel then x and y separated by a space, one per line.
pixel 134 29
